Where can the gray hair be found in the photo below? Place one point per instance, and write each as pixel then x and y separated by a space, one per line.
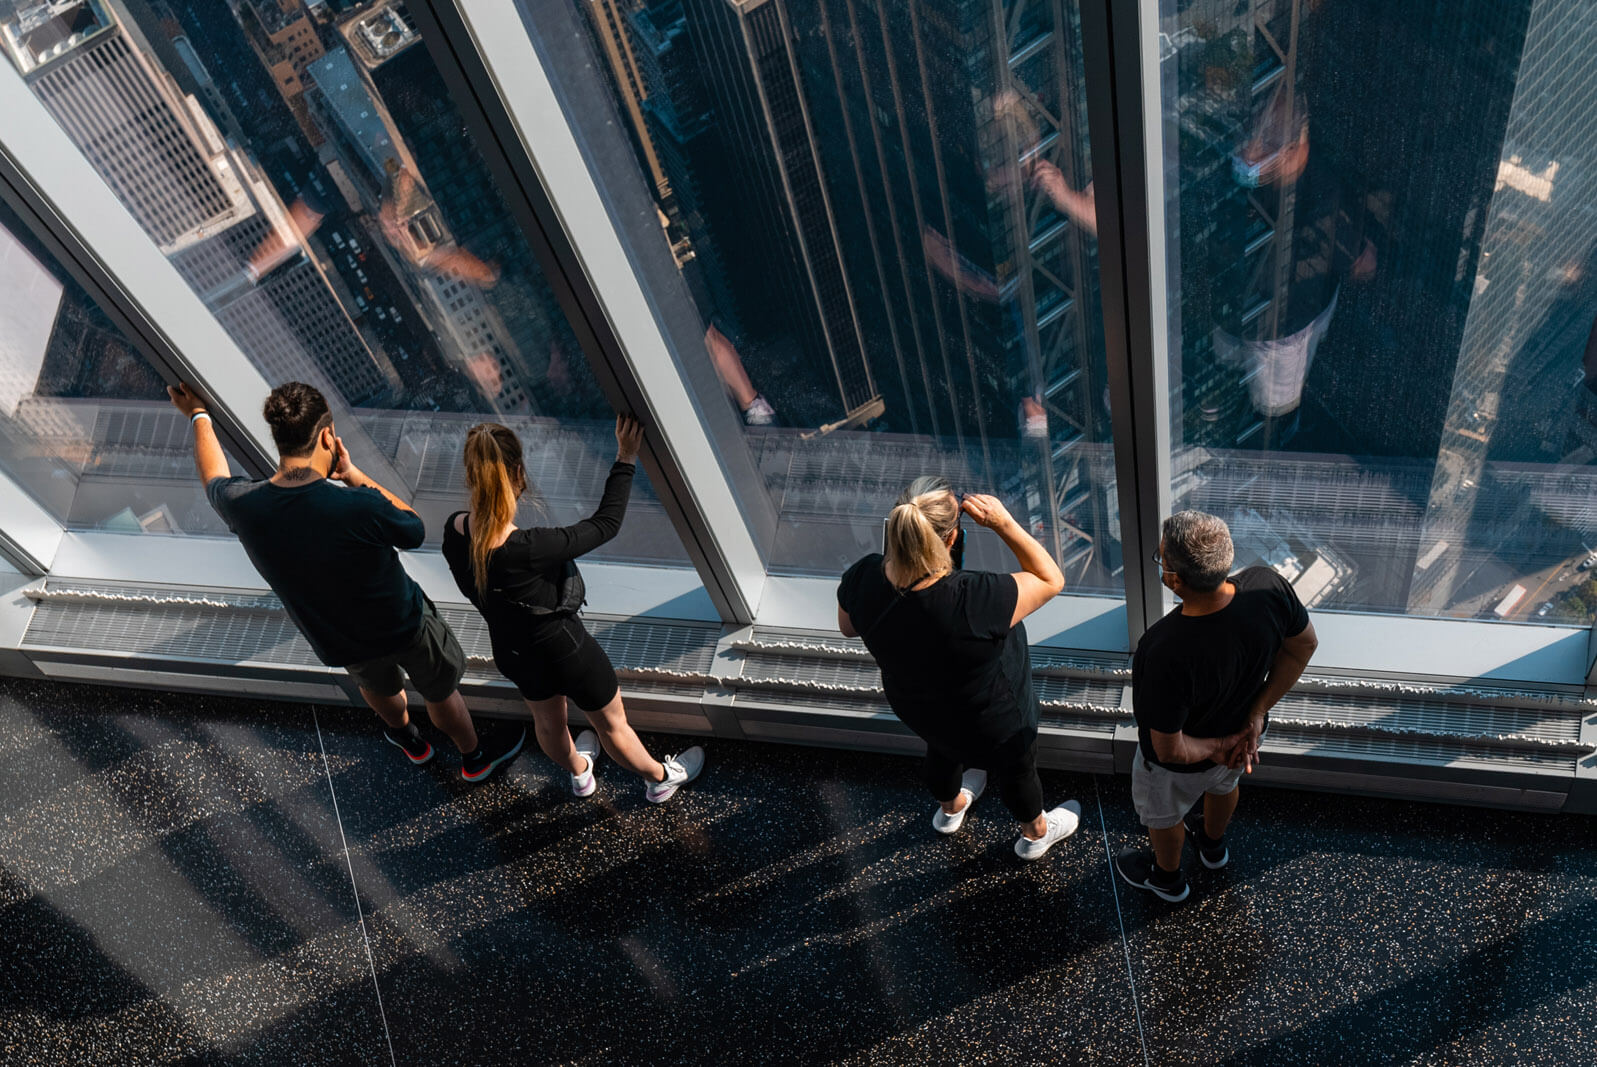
pixel 1197 547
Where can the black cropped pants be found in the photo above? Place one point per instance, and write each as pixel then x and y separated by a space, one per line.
pixel 1012 764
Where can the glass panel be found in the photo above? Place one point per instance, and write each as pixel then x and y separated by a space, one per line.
pixel 883 215
pixel 1383 366
pixel 303 167
pixel 85 426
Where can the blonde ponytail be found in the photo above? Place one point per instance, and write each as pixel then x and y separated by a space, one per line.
pixel 917 528
pixel 496 476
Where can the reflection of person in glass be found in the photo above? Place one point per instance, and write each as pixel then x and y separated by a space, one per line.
pixel 1080 206
pixel 755 409
pixel 305 216
pixel 522 580
pixel 953 654
pixel 409 222
pixel 328 552
pixel 1321 226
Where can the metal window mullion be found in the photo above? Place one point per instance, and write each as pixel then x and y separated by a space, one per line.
pixel 486 56
pixel 67 206
pixel 1591 660
pixel 1120 45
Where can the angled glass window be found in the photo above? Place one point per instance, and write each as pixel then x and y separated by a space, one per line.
pixel 305 171
pixel 85 426
pixel 882 216
pixel 1384 270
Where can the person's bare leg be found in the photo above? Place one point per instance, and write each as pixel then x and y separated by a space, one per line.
pixel 960 802
pixel 1037 827
pixel 549 724
pixel 618 739
pixel 1217 812
pixel 392 710
pixel 729 365
pixel 450 716
pixel 1167 846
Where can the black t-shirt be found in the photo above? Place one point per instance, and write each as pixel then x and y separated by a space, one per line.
pixel 526 568
pixel 327 551
pixel 1197 674
pixel 953 668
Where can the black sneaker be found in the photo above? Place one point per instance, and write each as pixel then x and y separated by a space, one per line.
pixel 1139 869
pixel 1211 851
pixel 493 748
pixel 415 746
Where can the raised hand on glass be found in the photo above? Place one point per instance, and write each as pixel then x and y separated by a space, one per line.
pixel 185 399
pixel 629 438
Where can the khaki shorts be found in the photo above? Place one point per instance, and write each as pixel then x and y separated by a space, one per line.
pixel 434 661
pixel 1163 797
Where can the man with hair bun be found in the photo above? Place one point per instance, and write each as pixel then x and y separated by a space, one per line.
pixel 328 552
pixel 1204 679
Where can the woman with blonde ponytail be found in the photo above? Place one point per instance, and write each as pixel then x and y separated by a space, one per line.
pixel 953 655
pixel 522 581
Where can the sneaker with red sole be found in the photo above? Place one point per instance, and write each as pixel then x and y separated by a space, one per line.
pixel 494 746
pixel 413 745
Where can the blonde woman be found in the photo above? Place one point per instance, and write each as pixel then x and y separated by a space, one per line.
pixel 952 650
pixel 515 578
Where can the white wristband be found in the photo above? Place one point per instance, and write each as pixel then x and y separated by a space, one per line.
pixel 197 416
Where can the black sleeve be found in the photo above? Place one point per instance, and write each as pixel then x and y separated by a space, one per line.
pixel 1293 616
pixel 221 491
pixel 854 592
pixel 848 587
pixel 1158 697
pixel 392 526
pixel 990 603
pixel 548 545
pixel 457 553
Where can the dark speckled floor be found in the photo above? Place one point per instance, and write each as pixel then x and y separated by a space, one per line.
pixel 198 880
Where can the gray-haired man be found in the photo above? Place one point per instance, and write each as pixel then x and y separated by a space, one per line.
pixel 1203 682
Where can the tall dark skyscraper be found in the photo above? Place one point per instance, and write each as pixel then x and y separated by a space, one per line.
pixel 956 143
pixel 899 195
pixel 787 261
pixel 680 122
pixel 535 359
pixel 1379 319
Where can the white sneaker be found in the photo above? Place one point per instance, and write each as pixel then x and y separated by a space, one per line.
pixel 1062 822
pixel 679 771
pixel 585 783
pixel 971 785
pixel 759 412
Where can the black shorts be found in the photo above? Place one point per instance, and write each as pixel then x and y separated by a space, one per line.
pixel 558 658
pixel 433 660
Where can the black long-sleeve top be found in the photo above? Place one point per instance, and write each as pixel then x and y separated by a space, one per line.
pixel 526 568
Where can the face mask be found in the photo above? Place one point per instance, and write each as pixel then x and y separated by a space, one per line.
pixel 1249 175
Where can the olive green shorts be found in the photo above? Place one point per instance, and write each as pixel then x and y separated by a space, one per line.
pixel 434 661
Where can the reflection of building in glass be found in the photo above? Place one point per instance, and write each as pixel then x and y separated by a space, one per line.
pixel 786 263
pixel 1524 338
pixel 198 198
pixel 374 160
pixel 609 22
pixel 284 37
pixel 1343 229
pixel 676 111
pixel 894 203
pixel 534 369
pixel 956 143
